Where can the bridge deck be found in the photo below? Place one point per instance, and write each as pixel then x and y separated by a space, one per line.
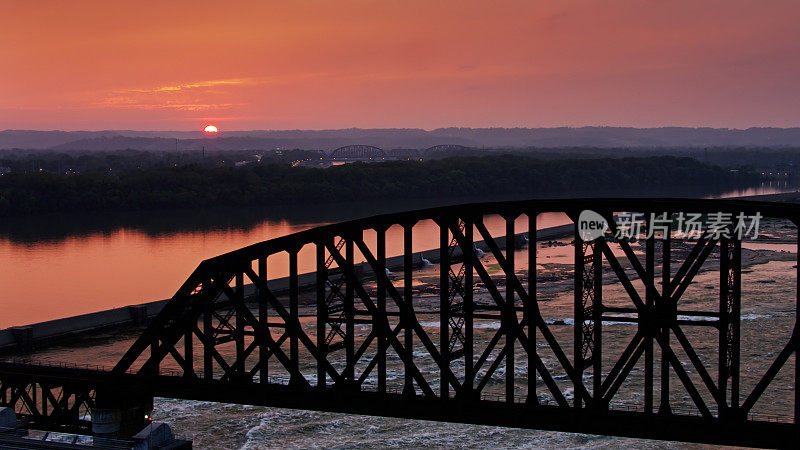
pixel 767 432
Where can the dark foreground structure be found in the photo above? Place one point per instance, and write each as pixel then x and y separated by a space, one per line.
pixel 360 344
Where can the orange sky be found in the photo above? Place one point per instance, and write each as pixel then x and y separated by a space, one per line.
pixel 169 65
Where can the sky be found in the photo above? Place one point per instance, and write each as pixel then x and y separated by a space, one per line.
pixel 308 64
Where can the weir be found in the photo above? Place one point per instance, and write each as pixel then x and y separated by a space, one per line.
pixel 370 342
pixel 26 338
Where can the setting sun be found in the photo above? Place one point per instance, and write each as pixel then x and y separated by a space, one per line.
pixel 210 129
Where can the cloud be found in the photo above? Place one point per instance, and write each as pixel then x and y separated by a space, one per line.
pixel 194 85
pixel 130 103
pixel 191 96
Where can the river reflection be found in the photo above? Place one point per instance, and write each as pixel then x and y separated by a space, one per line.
pixel 58 266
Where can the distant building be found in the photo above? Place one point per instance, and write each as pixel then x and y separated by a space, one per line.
pixel 4 170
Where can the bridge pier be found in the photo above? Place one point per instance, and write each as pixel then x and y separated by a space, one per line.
pixel 120 413
pixel 8 419
pixel 138 315
pixel 24 338
pixel 158 435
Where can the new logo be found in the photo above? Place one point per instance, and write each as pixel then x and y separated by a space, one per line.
pixel 591 225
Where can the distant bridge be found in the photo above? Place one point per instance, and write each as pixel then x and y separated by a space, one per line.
pixel 358 153
pixel 371 348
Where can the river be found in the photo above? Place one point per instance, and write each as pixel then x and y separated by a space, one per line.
pixel 65 265
pixel 55 267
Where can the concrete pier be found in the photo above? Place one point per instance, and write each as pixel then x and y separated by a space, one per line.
pixel 119 414
pixel 158 435
pixel 110 426
pixel 8 419
pixel 23 336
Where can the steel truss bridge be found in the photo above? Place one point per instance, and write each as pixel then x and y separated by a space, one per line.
pixel 359 339
pixel 358 153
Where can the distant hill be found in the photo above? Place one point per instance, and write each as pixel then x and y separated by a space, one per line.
pixel 110 143
pixel 603 137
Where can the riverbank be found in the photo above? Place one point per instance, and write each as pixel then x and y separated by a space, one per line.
pixel 274 185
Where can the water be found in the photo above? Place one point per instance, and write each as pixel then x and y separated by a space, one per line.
pixel 59 266
pixel 766 188
pixel 256 428
pixel 97 264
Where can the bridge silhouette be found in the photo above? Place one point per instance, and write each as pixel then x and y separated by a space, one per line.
pixel 358 153
pixel 360 338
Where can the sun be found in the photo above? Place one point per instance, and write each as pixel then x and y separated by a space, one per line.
pixel 210 129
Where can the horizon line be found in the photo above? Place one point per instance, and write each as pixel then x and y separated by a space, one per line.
pixel 427 130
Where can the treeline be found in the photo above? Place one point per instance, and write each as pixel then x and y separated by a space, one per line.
pixel 277 184
pixel 752 159
pixel 122 162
